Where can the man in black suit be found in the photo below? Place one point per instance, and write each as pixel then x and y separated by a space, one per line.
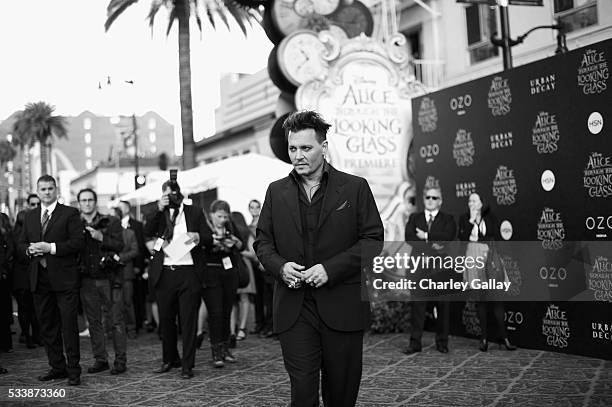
pixel 177 281
pixel 430 230
pixel 52 236
pixel 136 289
pixel 311 229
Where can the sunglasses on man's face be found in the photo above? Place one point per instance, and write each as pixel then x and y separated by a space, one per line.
pixel 435 198
pixel 34 204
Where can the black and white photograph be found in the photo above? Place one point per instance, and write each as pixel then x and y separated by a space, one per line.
pixel 306 203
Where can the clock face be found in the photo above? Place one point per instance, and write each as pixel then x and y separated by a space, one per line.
pixel 300 57
pixel 354 18
pixel 292 15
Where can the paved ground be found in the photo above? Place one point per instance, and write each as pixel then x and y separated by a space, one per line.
pixel 464 377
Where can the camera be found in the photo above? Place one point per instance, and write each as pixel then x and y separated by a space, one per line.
pixel 175 197
pixel 110 262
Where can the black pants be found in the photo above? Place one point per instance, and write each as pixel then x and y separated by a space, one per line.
pixel 6 340
pixel 498 313
pixel 310 347
pixel 141 290
pixel 418 322
pixel 219 301
pixel 57 314
pixel 178 291
pixel 26 314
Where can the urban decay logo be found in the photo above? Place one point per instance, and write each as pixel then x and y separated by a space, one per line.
pixel 514 274
pixel 469 318
pixel 463 148
pixel 600 279
pixel 428 115
pixel 501 140
pixel 598 176
pixel 465 189
pixel 555 327
pixel 542 84
pixel 602 330
pixel 499 97
pixel 545 133
pixel 504 186
pixel 551 230
pixel 593 72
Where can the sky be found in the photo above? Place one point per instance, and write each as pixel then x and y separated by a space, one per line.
pixel 57 52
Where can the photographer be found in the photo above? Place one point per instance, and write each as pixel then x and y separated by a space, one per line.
pixel 101 288
pixel 176 272
pixel 221 280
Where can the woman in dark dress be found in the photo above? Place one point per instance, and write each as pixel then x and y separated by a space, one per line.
pixel 221 280
pixel 6 258
pixel 478 227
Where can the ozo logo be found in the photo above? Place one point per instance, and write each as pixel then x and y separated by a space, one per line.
pixel 429 151
pixel 598 222
pixel 460 103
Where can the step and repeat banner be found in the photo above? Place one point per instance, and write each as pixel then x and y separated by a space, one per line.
pixel 536 143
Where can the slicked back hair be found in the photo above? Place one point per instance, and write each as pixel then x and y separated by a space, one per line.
pixel 306 119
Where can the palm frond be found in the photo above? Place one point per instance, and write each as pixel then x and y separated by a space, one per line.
pixel 155 6
pixel 238 17
pixel 114 10
pixel 173 16
pixel 196 12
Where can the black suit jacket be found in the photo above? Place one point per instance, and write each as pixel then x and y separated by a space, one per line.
pixel 194 219
pixel 465 227
pixel 65 229
pixel 349 217
pixel 143 252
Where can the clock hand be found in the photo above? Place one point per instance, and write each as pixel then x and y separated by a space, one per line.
pixel 305 55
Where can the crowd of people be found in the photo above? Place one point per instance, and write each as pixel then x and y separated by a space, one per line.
pixel 60 264
pixel 186 270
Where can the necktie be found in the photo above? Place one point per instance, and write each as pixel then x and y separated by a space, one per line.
pixel 44 223
pixel 170 232
pixel 429 222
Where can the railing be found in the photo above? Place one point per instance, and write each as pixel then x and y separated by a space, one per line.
pixel 429 72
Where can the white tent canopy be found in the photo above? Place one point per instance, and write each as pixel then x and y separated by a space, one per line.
pixel 237 179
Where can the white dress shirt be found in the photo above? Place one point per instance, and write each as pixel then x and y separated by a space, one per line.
pixel 49 210
pixel 180 228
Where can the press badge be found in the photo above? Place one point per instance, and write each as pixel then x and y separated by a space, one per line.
pixel 227 263
pixel 159 243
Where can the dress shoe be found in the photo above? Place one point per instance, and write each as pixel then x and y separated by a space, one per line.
pixel 166 367
pixel 186 374
pixel 98 367
pixel 74 381
pixel 442 348
pixel 411 349
pixel 52 375
pixel 506 344
pixel 232 342
pixel 484 345
pixel 118 369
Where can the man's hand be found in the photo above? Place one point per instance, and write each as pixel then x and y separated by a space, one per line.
pixel 316 275
pixel 421 234
pixel 163 202
pixel 437 246
pixel 291 274
pixel 193 237
pixel 39 248
pixel 95 234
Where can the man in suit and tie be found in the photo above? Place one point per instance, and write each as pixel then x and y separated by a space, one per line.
pixel 52 236
pixel 177 281
pixel 310 234
pixel 430 230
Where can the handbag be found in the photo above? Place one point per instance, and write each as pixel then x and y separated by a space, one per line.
pixel 241 268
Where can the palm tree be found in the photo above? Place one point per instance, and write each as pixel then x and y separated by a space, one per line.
pixel 242 12
pixel 7 153
pixel 37 123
